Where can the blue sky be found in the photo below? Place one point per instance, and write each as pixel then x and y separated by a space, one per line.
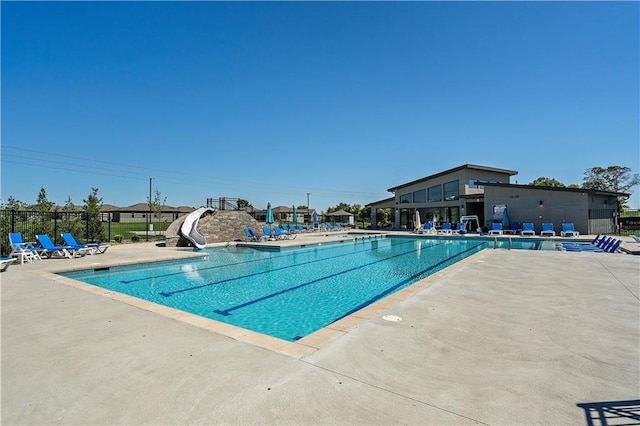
pixel 269 101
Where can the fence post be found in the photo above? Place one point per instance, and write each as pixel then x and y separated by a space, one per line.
pixel 55 227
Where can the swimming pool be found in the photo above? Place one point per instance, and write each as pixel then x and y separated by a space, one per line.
pixel 287 293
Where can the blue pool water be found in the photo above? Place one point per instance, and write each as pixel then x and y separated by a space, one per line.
pixel 289 293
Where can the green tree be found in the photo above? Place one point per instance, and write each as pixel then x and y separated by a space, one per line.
pixel 44 207
pixel 14 205
pixel 70 222
pixel 342 206
pixel 11 218
pixel 384 217
pixel 92 206
pixel 545 181
pixel 612 178
pixel 243 203
pixel 157 205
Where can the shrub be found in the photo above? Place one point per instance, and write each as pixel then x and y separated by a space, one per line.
pixel 117 238
pixel 135 238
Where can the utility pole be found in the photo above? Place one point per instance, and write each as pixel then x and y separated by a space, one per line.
pixel 308 208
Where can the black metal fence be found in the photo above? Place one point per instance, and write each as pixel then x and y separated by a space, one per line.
pixel 84 227
pixel 607 221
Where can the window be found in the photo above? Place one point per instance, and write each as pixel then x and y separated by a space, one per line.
pixel 473 184
pixel 420 196
pixel 405 198
pixel 435 193
pixel 451 190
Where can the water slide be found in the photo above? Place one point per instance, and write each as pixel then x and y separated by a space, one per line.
pixel 190 225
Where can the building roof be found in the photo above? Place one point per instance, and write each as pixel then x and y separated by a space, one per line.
pixel 385 201
pixel 455 169
pixel 559 188
pixel 340 213
pixel 144 207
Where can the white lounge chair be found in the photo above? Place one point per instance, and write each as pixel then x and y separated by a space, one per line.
pixel 496 229
pixel 547 230
pixel 527 229
pixel 568 230
pixel 446 229
pixel 92 248
pixel 21 250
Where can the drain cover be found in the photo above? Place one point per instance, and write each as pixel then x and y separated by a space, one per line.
pixel 393 318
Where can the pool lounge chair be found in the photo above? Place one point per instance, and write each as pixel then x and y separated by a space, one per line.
pixel 496 229
pixel 604 245
pixel 427 228
pixel 547 230
pixel 281 235
pixel 285 228
pixel 51 250
pixel 636 238
pixel 21 250
pixel 267 233
pixel 446 229
pixel 568 230
pixel 92 248
pixel 459 229
pixel 5 262
pixel 527 230
pixel 253 237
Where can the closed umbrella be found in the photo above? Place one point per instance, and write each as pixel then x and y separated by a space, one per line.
pixel 315 220
pixel 269 220
pixel 505 219
pixel 295 215
pixel 416 222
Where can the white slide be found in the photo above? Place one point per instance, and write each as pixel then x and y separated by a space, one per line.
pixel 188 228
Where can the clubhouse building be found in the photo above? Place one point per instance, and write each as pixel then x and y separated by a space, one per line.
pixel 472 190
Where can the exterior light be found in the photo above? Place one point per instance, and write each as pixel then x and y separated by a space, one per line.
pixel 541 203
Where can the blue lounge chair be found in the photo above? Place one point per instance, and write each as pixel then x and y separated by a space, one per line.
pixel 51 250
pixel 5 262
pixel 267 233
pixel 253 237
pixel 568 230
pixel 598 245
pixel 301 228
pixel 527 229
pixel 21 250
pixel 460 230
pixel 281 235
pixel 547 230
pixel 496 229
pixel 446 229
pixel 427 228
pixel 92 248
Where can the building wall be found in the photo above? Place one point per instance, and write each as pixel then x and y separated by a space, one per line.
pixel 539 205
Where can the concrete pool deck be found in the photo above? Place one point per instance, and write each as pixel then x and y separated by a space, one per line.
pixel 506 337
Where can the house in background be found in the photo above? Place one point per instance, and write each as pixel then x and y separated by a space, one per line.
pixel 473 190
pixel 282 214
pixel 341 216
pixel 140 213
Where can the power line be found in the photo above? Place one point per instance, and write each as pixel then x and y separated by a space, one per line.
pixel 137 172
